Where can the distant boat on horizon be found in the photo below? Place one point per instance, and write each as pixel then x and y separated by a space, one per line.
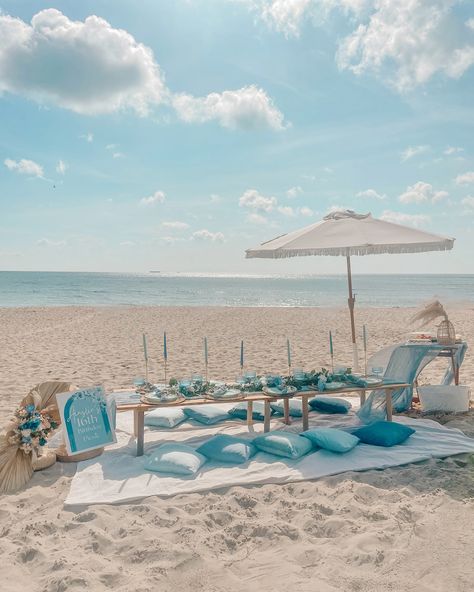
pixel 153 271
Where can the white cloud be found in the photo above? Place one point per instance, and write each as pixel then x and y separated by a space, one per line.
pixel 422 192
pixel 157 197
pixel 46 242
pixel 453 150
pixel 287 16
pixel 89 137
pixel 254 200
pixel 24 167
pixel 177 225
pixel 286 211
pixel 412 151
pixel 371 194
pixel 408 219
pixel 118 155
pixel 468 202
pixel 465 178
pixel 88 67
pixel 206 235
pixel 248 108
pixel 294 192
pixel 215 199
pixel 407 43
pixel 127 243
pixel 111 146
pixel 61 167
pixel 254 218
pixel 305 211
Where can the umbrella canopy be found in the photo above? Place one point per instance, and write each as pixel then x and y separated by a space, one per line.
pixel 347 233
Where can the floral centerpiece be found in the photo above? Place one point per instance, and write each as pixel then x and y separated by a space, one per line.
pixel 31 428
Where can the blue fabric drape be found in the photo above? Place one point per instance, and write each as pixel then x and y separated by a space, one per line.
pixel 405 364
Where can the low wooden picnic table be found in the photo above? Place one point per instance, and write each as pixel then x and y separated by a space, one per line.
pixel 139 409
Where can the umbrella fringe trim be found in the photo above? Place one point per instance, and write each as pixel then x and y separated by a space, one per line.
pixel 361 250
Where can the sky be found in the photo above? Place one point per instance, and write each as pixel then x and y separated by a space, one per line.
pixel 172 135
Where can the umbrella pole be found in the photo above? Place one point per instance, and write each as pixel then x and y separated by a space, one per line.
pixel 351 303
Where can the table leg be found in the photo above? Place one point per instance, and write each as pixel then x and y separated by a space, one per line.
pixel 388 403
pixel 140 427
pixel 135 422
pixel 304 403
pixel 266 417
pixel 250 414
pixel 362 397
pixel 286 408
pixel 455 369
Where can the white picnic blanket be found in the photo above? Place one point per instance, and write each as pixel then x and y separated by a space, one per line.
pixel 119 476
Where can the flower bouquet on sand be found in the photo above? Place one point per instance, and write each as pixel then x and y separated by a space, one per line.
pixel 26 435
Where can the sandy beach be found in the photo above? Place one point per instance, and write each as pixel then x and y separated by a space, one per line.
pixel 401 529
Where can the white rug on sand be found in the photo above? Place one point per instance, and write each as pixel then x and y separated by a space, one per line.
pixel 119 476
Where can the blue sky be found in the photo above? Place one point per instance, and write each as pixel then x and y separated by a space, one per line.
pixel 172 135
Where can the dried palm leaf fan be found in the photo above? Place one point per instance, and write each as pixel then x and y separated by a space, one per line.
pixel 16 466
pixel 433 310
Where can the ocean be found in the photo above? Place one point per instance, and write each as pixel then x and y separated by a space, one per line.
pixel 18 288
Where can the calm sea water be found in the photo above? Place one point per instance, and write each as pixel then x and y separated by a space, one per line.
pixel 64 289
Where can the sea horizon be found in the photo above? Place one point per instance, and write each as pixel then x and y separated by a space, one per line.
pixel 71 288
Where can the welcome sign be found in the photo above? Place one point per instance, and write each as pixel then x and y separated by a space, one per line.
pixel 86 420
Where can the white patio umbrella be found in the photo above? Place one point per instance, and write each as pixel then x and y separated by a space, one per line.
pixel 347 233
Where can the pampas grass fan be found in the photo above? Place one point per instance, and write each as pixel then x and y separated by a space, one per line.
pixel 16 467
pixel 446 333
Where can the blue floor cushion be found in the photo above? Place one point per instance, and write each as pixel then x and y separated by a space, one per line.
pixel 326 404
pixel 331 439
pixel 384 433
pixel 206 414
pixel 168 417
pixel 283 443
pixel 296 407
pixel 227 449
pixel 178 459
pixel 240 411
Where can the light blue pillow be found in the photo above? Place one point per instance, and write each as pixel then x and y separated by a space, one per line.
pixel 206 414
pixel 228 449
pixel 296 407
pixel 240 411
pixel 283 444
pixel 384 433
pixel 326 404
pixel 178 459
pixel 331 439
pixel 168 417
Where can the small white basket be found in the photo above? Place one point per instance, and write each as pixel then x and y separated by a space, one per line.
pixel 449 399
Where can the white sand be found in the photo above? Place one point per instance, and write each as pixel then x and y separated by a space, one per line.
pixel 405 529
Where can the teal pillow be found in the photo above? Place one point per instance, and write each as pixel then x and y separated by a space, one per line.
pixel 206 414
pixel 227 449
pixel 331 439
pixel 168 417
pixel 296 407
pixel 383 433
pixel 282 443
pixel 240 411
pixel 178 459
pixel 326 404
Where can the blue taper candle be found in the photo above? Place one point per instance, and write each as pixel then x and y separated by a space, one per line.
pixel 364 336
pixel 145 351
pixel 331 349
pixel 165 347
pixel 288 351
pixel 205 350
pixel 242 353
